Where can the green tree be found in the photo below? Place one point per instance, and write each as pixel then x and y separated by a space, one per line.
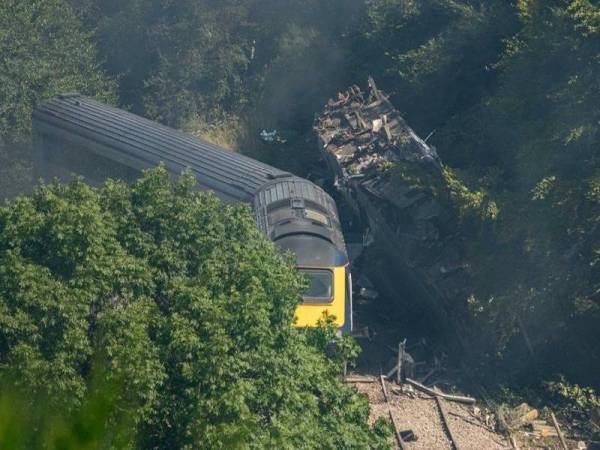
pixel 512 89
pixel 43 51
pixel 186 305
pixel 433 55
pixel 173 59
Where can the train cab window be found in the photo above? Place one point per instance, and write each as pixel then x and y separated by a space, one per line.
pixel 320 286
pixel 311 251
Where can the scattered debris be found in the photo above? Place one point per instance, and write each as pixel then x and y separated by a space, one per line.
pixel 364 332
pixel 421 416
pixel 384 171
pixel 405 364
pixel 540 429
pixel 364 282
pixel 358 379
pixel 525 414
pixel 370 294
pixel 408 436
pixel 473 422
pixel 401 356
pixel 272 136
pixel 268 136
pixel 424 378
pixel 407 389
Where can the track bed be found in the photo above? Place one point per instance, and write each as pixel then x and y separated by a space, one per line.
pixel 422 415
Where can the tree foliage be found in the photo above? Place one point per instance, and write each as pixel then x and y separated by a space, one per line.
pixel 509 87
pixel 434 54
pixel 44 51
pixel 185 306
pixel 512 90
pixel 176 60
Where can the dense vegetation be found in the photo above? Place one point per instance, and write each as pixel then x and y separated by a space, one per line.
pixel 510 88
pixel 192 332
pixel 44 50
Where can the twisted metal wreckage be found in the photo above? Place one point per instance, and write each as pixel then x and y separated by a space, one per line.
pixel 362 136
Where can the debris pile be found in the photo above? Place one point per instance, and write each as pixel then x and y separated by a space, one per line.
pixel 528 428
pixel 364 138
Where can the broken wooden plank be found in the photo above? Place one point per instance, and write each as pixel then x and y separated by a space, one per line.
pixel 401 347
pixel 427 375
pixel 391 372
pixel 560 435
pixel 385 393
pixel 472 422
pixel 452 398
pixel 525 413
pixel 397 369
pixel 388 133
pixel 361 121
pixel 359 380
pixel 544 430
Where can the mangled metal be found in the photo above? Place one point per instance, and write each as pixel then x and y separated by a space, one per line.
pixel 363 138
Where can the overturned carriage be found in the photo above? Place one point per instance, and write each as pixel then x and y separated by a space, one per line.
pixel 386 173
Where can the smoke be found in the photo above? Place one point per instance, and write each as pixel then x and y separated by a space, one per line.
pixel 307 70
pixel 309 65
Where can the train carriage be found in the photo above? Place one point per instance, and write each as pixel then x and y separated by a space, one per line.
pixel 74 134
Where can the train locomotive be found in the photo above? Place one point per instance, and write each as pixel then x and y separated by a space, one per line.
pixel 74 134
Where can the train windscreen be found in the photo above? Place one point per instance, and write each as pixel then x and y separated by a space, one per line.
pixel 320 286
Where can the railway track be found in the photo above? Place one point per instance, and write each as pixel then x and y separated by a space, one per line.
pixel 446 422
pixel 435 423
pixel 443 416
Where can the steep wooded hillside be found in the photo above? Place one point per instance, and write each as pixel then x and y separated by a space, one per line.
pixel 509 90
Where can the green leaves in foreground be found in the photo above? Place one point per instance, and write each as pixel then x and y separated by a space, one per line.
pixel 29 421
pixel 183 305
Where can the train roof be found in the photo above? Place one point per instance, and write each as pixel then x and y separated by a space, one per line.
pixel 284 190
pixel 299 194
pixel 143 143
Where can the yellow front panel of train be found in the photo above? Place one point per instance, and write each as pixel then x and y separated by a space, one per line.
pixel 311 310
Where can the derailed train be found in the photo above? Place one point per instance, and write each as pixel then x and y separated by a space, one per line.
pixel 74 134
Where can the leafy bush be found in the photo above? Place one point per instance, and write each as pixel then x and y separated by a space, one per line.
pixel 186 306
pixel 31 421
pixel 584 397
pixel 44 51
